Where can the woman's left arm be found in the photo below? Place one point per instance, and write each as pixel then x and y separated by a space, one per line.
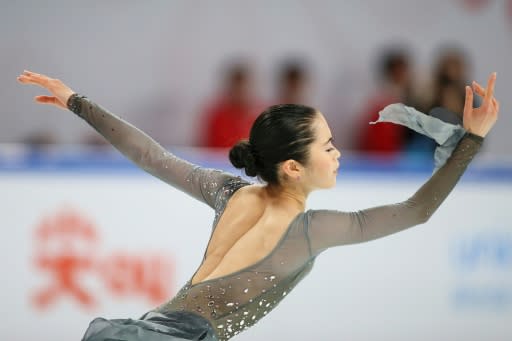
pixel 327 228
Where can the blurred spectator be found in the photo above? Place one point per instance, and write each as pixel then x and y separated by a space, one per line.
pixel 96 141
pixel 39 139
pixel 292 83
pixel 446 90
pixel 395 86
pixel 230 116
pixel 450 76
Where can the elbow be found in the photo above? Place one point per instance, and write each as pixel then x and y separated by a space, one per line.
pixel 421 212
pixel 423 220
pixel 424 214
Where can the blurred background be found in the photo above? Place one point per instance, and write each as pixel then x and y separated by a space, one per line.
pixel 86 234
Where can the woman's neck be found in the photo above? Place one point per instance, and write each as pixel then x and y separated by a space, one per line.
pixel 287 195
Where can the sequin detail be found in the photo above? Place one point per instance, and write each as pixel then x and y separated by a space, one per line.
pixel 246 297
pixel 74 103
pixel 235 302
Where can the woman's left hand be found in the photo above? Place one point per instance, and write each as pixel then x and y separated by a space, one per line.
pixel 480 120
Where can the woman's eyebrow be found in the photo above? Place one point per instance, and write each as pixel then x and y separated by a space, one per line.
pixel 330 140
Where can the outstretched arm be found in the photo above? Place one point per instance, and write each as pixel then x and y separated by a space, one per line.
pixel 329 228
pixel 199 182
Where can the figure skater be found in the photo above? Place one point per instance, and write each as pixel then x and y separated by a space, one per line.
pixel 263 241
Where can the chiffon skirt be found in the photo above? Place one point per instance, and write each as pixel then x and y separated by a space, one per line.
pixel 174 326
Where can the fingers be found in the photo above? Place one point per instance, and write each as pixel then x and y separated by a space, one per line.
pixel 28 77
pixel 490 88
pixel 49 100
pixel 24 78
pixel 481 92
pixel 46 99
pixel 27 72
pixel 468 104
pixel 37 77
pixel 478 89
pixel 496 105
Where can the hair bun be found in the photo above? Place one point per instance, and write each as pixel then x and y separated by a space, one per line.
pixel 241 156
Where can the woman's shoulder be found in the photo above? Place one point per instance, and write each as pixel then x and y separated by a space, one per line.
pixel 249 190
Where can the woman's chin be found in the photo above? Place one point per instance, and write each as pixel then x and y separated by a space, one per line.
pixel 331 184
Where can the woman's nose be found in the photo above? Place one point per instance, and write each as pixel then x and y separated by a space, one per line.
pixel 338 154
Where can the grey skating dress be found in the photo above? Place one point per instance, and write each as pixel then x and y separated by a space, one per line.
pixel 220 308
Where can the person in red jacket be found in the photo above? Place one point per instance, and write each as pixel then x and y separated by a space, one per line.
pixel 229 117
pixel 386 138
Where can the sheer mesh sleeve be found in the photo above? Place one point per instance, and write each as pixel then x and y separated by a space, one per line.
pixel 329 228
pixel 200 183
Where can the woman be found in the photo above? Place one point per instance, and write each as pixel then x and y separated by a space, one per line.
pixel 256 256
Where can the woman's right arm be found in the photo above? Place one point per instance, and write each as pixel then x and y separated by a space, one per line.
pixel 201 183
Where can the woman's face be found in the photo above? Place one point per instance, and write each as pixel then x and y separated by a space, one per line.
pixel 322 167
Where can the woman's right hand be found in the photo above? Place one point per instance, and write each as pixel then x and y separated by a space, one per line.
pixel 60 92
pixel 480 120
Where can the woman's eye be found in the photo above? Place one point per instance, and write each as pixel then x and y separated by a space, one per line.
pixel 330 149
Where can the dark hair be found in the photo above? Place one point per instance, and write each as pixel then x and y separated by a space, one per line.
pixel 391 59
pixel 293 71
pixel 280 133
pixel 446 55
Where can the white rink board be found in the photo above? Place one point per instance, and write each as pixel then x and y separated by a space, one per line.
pixel 450 279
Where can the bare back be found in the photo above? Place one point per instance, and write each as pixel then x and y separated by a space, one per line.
pixel 244 236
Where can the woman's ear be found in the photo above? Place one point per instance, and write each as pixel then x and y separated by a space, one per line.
pixel 291 169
